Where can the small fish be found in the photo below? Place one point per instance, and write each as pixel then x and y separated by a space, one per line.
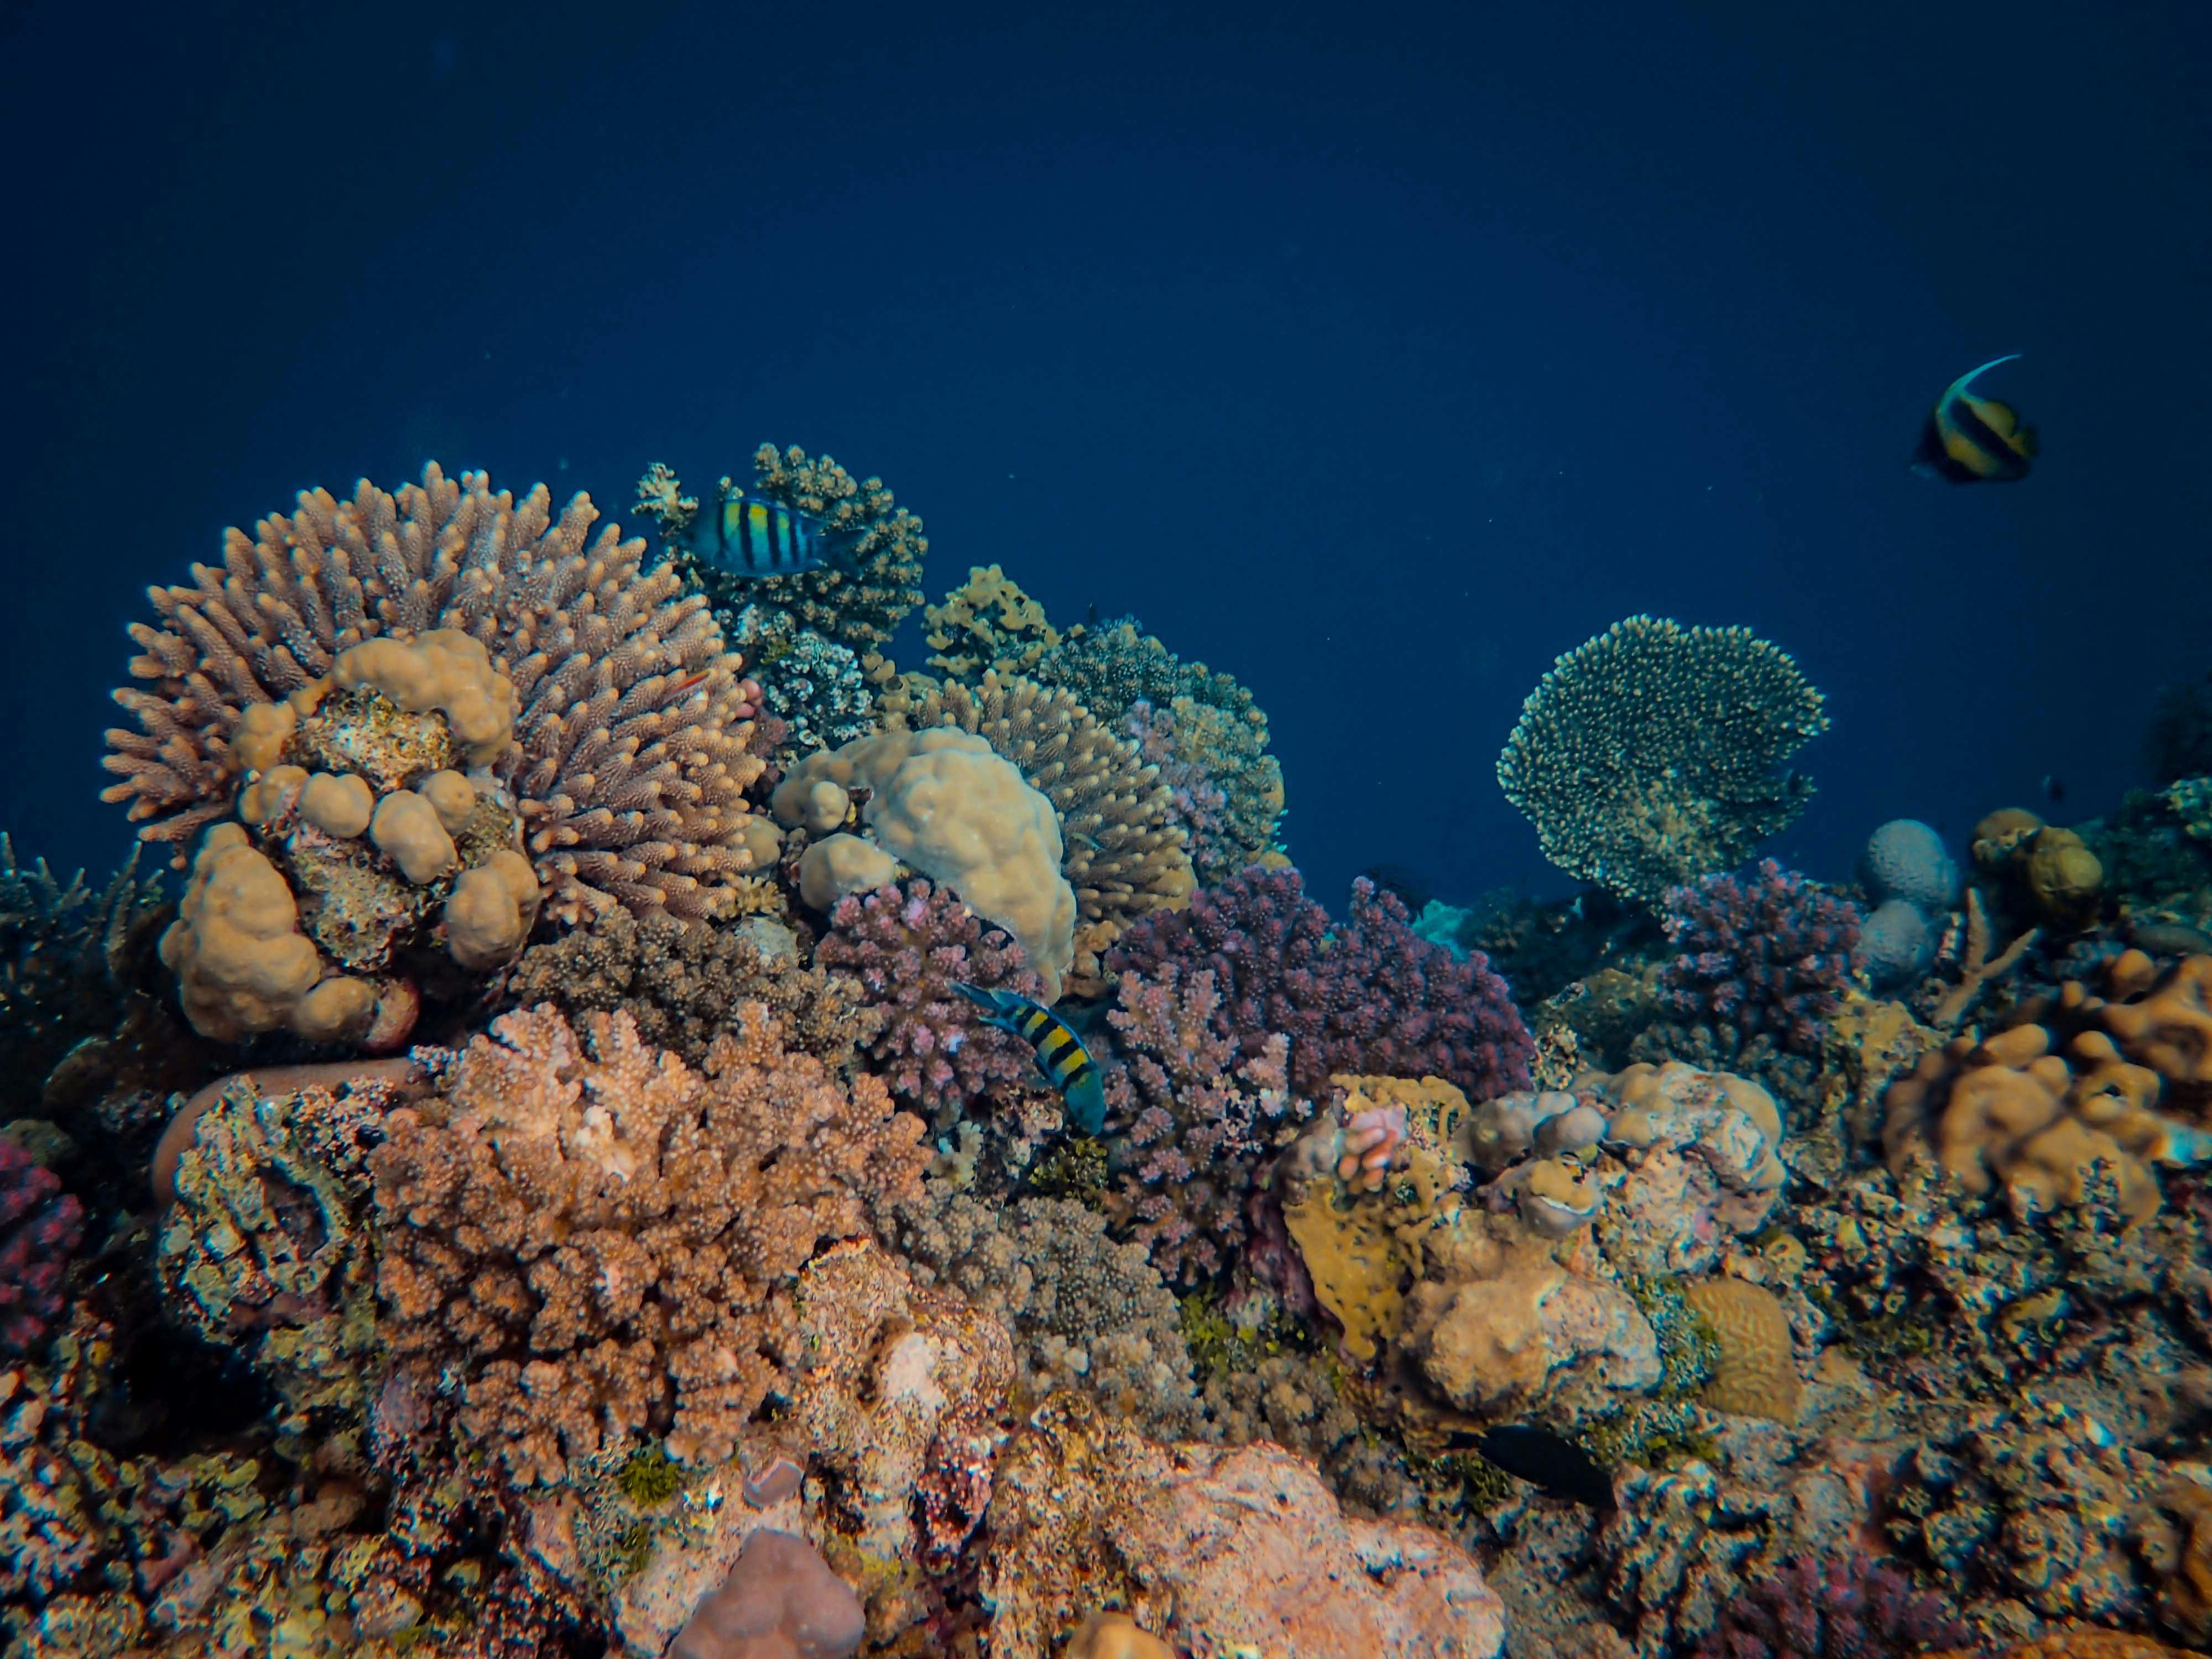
pixel 2054 786
pixel 1060 1056
pixel 1549 1461
pixel 1971 440
pixel 750 538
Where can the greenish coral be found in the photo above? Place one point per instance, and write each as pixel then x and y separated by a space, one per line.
pixel 2191 801
pixel 1075 1169
pixel 1651 755
pixel 1689 1351
pixel 649 1477
pixel 857 600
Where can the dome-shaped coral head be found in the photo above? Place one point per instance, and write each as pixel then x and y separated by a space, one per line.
pixel 628 756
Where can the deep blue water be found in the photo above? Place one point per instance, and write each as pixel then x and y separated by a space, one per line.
pixel 1375 359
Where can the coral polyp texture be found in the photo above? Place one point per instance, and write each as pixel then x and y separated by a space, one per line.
pixel 628 759
pixel 40 1228
pixel 1653 754
pixel 1842 1609
pixel 859 597
pixel 1766 952
pixel 1370 997
pixel 905 946
pixel 590 1239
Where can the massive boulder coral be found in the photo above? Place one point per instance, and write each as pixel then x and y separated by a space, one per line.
pixel 589 1238
pixel 631 723
pixel 857 600
pixel 1648 757
pixel 1122 854
pixel 1221 1551
pixel 943 802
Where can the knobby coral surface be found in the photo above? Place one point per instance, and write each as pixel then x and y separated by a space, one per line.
pixel 40 1227
pixel 1649 756
pixel 1769 952
pixel 631 724
pixel 595 1239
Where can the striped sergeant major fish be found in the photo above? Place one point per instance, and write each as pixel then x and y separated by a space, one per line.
pixel 749 537
pixel 1060 1056
pixel 1971 440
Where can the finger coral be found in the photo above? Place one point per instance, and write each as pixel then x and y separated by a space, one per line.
pixel 589 1238
pixel 630 725
pixel 1769 952
pixel 1370 997
pixel 859 598
pixel 1122 854
pixel 40 1228
pixel 1648 756
pixel 905 947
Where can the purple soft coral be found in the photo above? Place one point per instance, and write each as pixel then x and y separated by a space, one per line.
pixel 40 1227
pixel 1850 1607
pixel 1764 952
pixel 909 946
pixel 1370 997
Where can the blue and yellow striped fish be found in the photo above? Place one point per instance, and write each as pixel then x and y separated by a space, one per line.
pixel 1060 1056
pixel 1971 440
pixel 749 538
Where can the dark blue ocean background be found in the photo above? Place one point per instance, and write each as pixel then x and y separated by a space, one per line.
pixel 1374 357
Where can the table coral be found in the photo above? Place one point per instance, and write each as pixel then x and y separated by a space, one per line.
pixel 1771 952
pixel 904 948
pixel 630 721
pixel 592 1238
pixel 40 1228
pixel 1221 1551
pixel 857 600
pixel 1122 854
pixel 1368 997
pixel 1649 755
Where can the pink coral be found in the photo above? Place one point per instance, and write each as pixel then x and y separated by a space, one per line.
pixel 1370 997
pixel 907 944
pixel 1372 1141
pixel 1768 951
pixel 40 1227
pixel 1194 1125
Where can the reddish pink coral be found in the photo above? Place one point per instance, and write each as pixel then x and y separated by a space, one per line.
pixel 40 1227
pixel 1370 997
pixel 1194 1125
pixel 1768 952
pixel 909 945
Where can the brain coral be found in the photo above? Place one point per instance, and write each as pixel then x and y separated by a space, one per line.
pixel 1647 756
pixel 1122 852
pixel 630 724
pixel 590 1238
pixel 857 600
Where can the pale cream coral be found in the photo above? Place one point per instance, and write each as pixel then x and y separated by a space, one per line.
pixel 269 794
pixel 1756 1371
pixel 452 796
pixel 942 802
pixel 831 868
pixel 491 911
pixel 407 830
pixel 263 731
pixel 446 670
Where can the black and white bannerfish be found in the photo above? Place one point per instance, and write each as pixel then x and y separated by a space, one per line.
pixel 748 536
pixel 1974 439
pixel 1060 1056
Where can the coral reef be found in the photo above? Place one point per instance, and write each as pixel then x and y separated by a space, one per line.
pixel 40 1228
pixel 781 1601
pixel 1840 1608
pixel 1221 1551
pixel 1370 997
pixel 943 802
pixel 678 982
pixel 815 687
pixel 630 726
pixel 1905 861
pixel 856 600
pixel 594 1239
pixel 904 947
pixel 1648 756
pixel 987 624
pixel 1769 952
pixel 1123 854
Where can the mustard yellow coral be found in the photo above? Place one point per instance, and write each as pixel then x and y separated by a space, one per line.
pixel 988 623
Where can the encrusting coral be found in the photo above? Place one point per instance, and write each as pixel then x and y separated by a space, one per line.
pixel 1122 854
pixel 1648 756
pixel 592 1239
pixel 857 600
pixel 630 722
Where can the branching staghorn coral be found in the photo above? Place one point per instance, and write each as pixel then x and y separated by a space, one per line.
pixel 1648 757
pixel 593 1239
pixel 1121 851
pixel 629 761
pixel 858 598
